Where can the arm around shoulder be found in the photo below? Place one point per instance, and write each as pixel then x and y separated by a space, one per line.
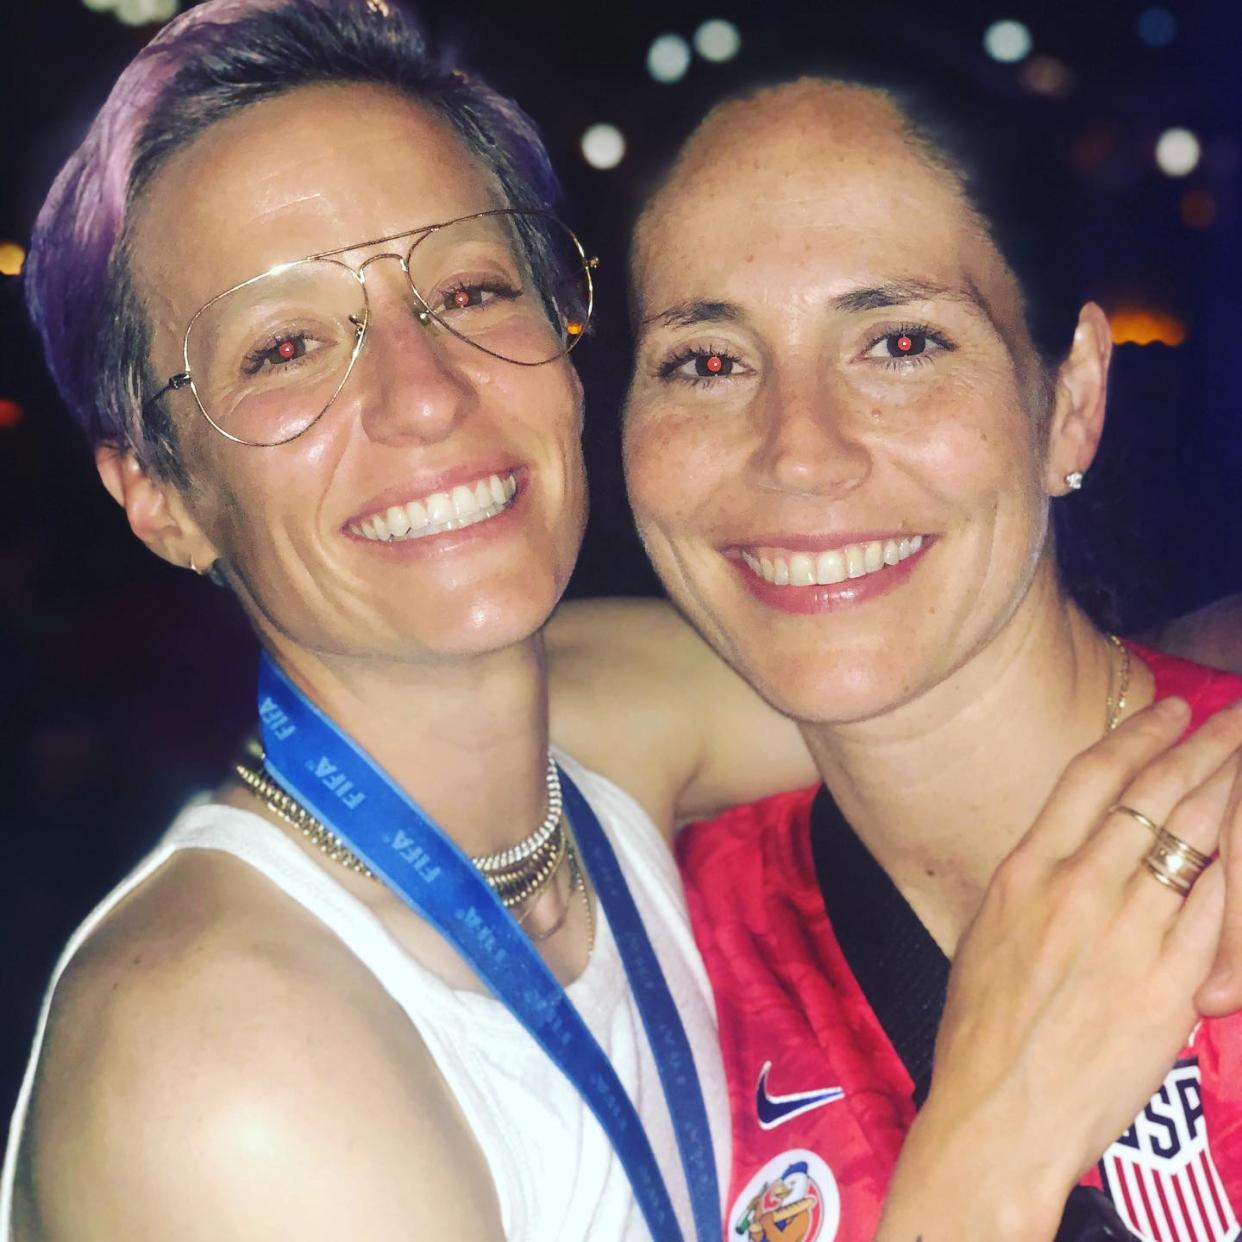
pixel 639 696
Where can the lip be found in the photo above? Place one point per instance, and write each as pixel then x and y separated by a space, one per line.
pixel 424 484
pixel 804 600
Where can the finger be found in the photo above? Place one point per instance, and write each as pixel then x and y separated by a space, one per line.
pixel 1167 781
pixel 1191 943
pixel 1221 994
pixel 1197 820
pixel 1095 779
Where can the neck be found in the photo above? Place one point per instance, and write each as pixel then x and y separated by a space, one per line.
pixel 467 739
pixel 942 788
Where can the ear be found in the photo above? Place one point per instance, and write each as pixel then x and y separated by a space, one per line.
pixel 157 511
pixel 1077 420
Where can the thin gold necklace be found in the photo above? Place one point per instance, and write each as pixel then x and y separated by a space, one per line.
pixel 1113 707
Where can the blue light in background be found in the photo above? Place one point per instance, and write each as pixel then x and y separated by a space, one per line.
pixel 1157 27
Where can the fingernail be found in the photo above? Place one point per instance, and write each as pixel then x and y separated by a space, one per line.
pixel 1173 706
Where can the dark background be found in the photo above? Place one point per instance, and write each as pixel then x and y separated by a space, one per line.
pixel 127 683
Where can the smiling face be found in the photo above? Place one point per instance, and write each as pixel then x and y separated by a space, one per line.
pixel 437 506
pixel 836 430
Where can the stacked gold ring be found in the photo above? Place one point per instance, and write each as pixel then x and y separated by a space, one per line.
pixel 1171 861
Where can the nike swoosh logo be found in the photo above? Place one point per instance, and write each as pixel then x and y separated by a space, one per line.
pixel 774 1110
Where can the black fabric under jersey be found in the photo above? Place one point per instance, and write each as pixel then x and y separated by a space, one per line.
pixel 899 967
pixel 904 975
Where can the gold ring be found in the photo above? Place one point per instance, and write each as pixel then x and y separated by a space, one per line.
pixel 1175 863
pixel 1154 829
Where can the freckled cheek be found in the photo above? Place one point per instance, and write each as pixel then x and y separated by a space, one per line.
pixel 674 470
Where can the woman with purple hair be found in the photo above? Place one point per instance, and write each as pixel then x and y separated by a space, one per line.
pixel 302 288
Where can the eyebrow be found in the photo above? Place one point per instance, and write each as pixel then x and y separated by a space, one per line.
pixel 901 292
pixel 855 301
pixel 687 314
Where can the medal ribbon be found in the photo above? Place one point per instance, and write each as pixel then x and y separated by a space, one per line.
pixel 346 790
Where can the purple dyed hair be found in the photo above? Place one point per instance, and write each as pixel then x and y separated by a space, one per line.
pixel 205 65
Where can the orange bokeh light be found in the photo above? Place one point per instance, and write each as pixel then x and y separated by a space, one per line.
pixel 1197 209
pixel 12 256
pixel 1138 326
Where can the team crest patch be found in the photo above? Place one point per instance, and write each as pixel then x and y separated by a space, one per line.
pixel 1160 1172
pixel 793 1198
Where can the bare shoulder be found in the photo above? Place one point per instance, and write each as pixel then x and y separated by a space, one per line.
pixel 1210 635
pixel 638 695
pixel 217 1065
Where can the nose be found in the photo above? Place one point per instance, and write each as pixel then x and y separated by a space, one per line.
pixel 809 439
pixel 413 386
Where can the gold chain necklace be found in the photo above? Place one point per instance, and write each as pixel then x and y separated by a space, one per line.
pixel 1113 707
pixel 519 875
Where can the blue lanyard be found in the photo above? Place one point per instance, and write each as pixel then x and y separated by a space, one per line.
pixel 344 788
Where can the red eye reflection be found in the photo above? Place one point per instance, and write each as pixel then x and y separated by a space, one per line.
pixel 713 364
pixel 288 350
pixel 906 344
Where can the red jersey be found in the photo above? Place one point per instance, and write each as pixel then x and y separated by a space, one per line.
pixel 829 992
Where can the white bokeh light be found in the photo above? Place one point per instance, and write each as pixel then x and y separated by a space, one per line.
pixel 669 58
pixel 136 12
pixel 1008 41
pixel 1177 152
pixel 717 40
pixel 603 146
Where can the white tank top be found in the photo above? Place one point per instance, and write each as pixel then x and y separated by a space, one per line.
pixel 556 1174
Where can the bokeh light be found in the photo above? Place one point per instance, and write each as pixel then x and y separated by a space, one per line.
pixel 1141 326
pixel 1157 27
pixel 1045 75
pixel 668 58
pixel 1197 209
pixel 1007 41
pixel 12 256
pixel 603 146
pixel 1177 152
pixel 11 414
pixel 717 40
pixel 136 12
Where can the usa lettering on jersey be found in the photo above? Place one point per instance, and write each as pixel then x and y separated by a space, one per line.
pixel 1160 1172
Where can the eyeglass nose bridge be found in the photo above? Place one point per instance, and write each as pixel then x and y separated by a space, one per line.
pixel 425 316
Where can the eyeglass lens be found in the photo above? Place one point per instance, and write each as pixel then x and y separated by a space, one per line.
pixel 269 357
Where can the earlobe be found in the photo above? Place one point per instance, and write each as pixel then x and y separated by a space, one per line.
pixel 156 510
pixel 1079 402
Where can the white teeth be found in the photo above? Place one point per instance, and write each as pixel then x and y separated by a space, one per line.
pixel 801 570
pixel 398 521
pixel 441 511
pixel 440 508
pixel 830 567
pixel 464 503
pixel 855 560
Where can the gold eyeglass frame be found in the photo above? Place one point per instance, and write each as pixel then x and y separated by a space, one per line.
pixel 426 316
